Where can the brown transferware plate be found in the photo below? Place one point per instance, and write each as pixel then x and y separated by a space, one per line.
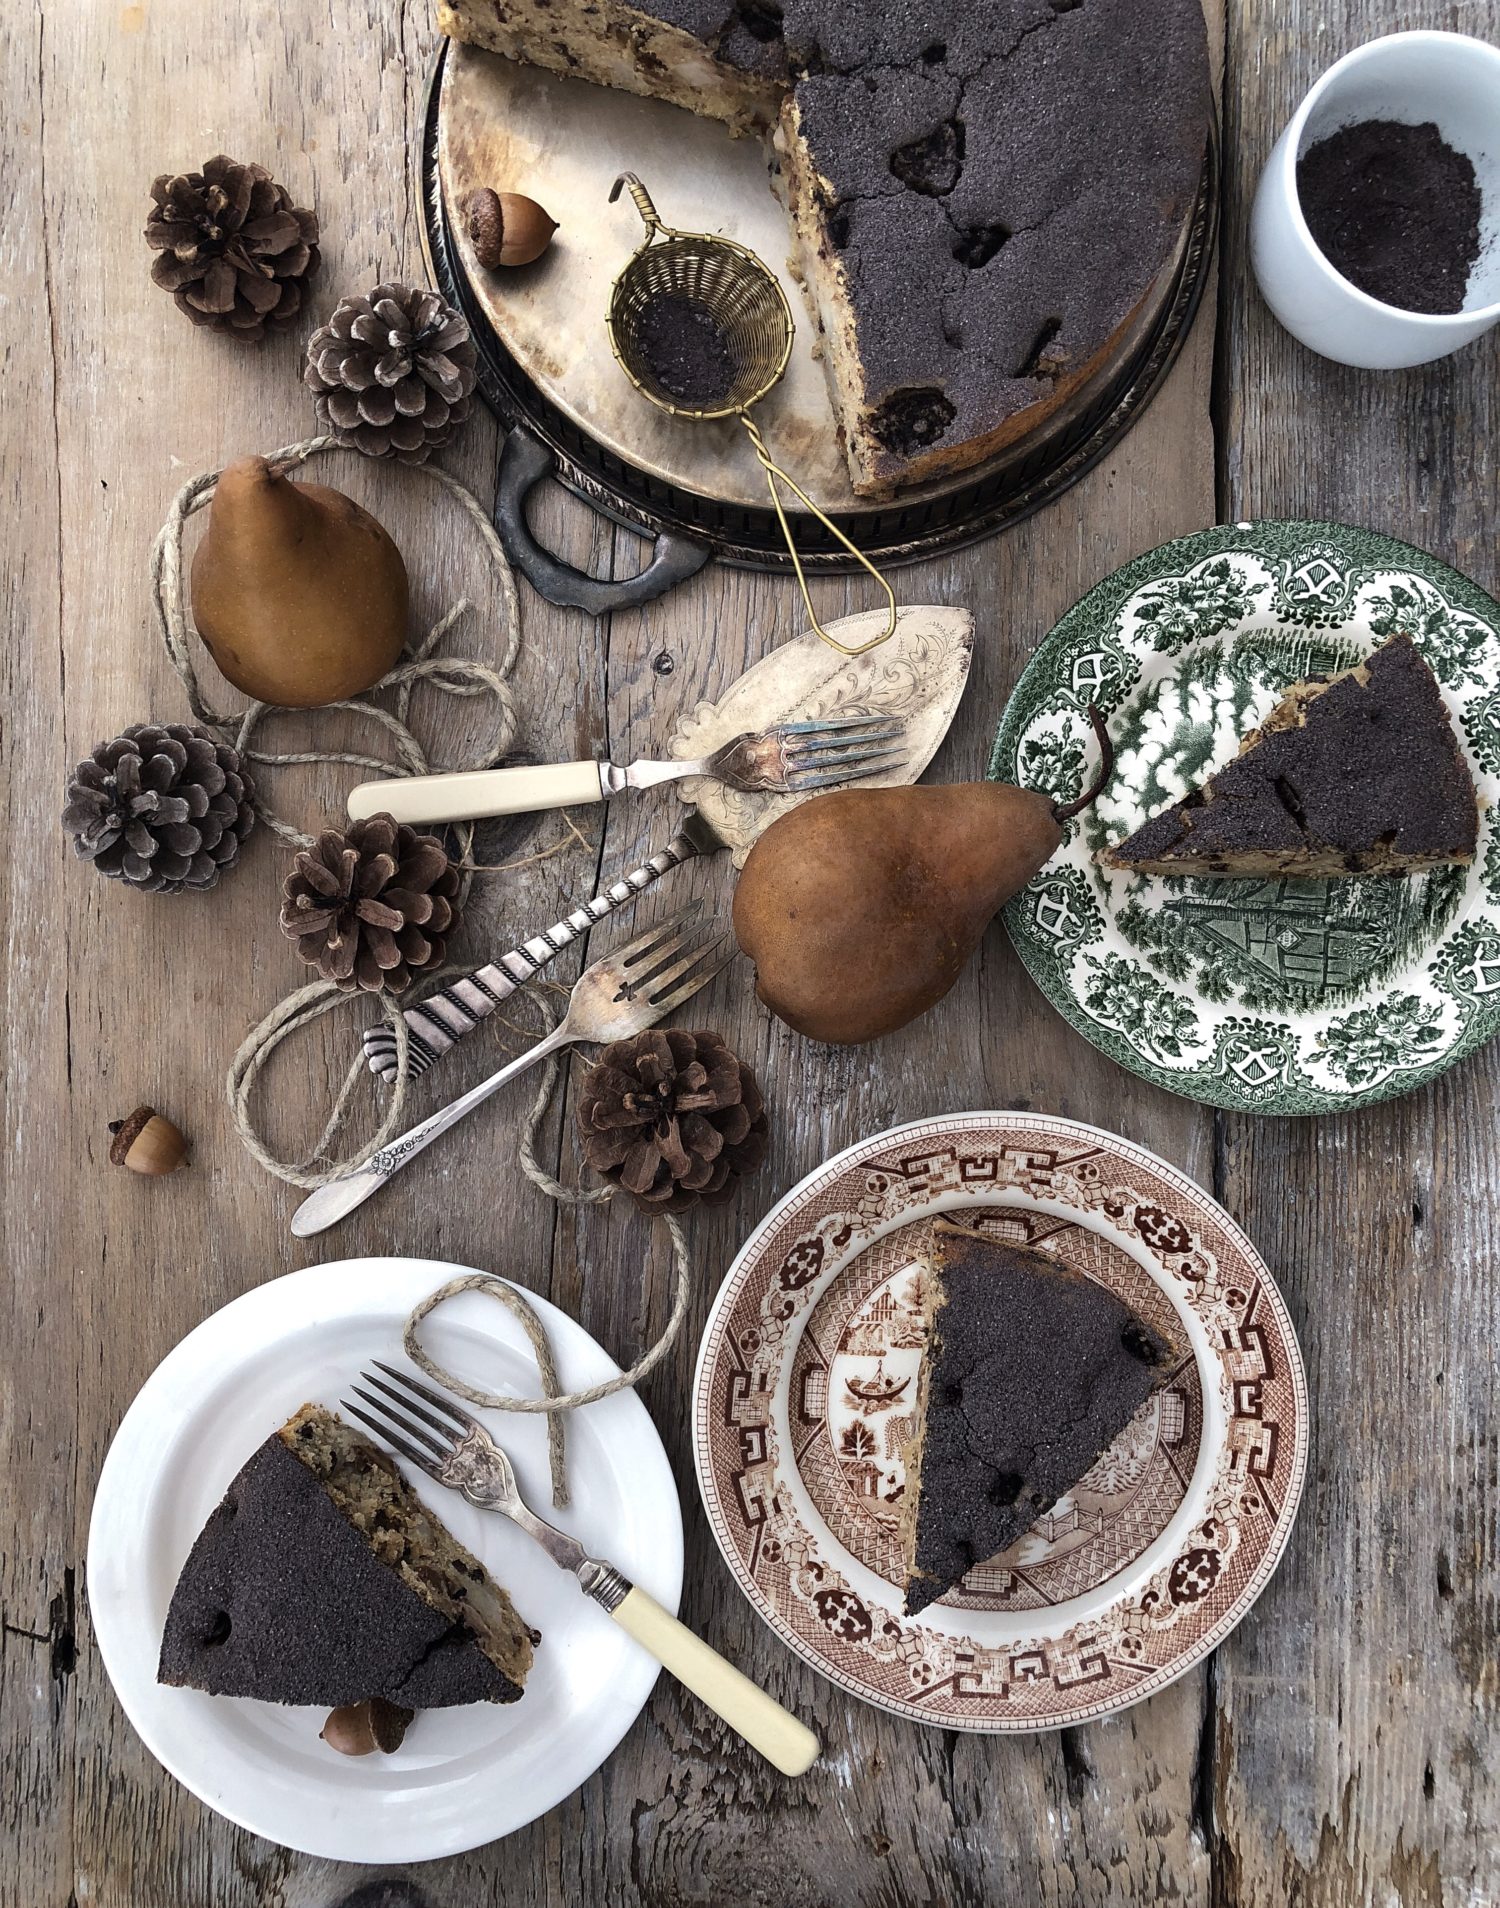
pixel 804 1397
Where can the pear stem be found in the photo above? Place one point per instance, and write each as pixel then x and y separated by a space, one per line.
pixel 1106 769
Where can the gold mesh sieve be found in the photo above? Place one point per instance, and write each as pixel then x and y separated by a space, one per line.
pixel 751 314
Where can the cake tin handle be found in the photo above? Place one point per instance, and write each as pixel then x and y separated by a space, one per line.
pixel 524 462
pixel 774 475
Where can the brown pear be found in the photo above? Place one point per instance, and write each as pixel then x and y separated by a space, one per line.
pixel 300 595
pixel 860 908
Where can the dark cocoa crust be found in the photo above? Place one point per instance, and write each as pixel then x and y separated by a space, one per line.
pixel 746 37
pixel 1374 773
pixel 1078 132
pixel 314 1616
pixel 1033 1372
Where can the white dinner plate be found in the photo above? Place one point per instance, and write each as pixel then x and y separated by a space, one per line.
pixel 463 1776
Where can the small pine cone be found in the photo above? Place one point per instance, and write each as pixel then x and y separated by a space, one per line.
pixel 232 249
pixel 673 1117
pixel 371 908
pixel 163 806
pixel 392 374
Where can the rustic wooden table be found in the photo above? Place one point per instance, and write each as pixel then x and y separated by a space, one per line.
pixel 1343 1746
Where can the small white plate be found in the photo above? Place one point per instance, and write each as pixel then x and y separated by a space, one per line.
pixel 464 1776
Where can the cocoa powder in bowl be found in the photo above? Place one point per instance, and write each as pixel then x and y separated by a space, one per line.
pixel 1395 210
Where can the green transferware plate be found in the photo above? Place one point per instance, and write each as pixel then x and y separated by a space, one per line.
pixel 1266 996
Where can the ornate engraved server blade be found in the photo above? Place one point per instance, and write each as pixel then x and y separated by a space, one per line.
pixel 446 1016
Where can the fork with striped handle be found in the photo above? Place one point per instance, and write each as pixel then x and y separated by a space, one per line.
pixel 444 1017
pixel 622 995
pixel 429 1430
pixel 793 758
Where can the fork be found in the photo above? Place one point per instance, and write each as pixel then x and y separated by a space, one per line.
pixel 621 995
pixel 430 1431
pixel 794 758
pixel 441 1018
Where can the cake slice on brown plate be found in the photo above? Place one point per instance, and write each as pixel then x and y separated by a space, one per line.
pixel 1032 1371
pixel 322 1578
pixel 1359 773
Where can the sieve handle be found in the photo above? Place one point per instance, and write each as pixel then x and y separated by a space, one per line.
pixel 524 462
pixel 776 475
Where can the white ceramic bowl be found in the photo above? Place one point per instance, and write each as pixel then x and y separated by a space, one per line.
pixel 1447 78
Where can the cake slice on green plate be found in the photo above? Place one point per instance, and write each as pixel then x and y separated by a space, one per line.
pixel 322 1578
pixel 1359 773
pixel 1031 1373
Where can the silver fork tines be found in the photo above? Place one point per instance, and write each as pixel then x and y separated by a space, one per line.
pixel 816 775
pixel 457 1426
pixel 638 950
pixel 426 1394
pixel 396 1430
pixel 694 970
pixel 467 1459
pixel 785 758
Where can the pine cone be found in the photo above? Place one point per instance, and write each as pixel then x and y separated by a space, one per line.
pixel 371 908
pixel 164 807
pixel 673 1117
pixel 232 249
pixel 392 373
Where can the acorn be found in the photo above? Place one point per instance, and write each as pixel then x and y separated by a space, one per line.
pixel 147 1143
pixel 506 228
pixel 357 1729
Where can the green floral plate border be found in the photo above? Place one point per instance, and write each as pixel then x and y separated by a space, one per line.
pixel 1267 997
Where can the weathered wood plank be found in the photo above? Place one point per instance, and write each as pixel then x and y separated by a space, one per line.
pixel 38 1383
pixel 1357 1742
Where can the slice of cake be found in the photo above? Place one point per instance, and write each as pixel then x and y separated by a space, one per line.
pixel 984 198
pixel 322 1578
pixel 1359 773
pixel 1031 1373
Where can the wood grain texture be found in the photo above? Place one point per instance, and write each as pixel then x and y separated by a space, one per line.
pixel 1357 1747
pixel 1297 1768
pixel 38 1392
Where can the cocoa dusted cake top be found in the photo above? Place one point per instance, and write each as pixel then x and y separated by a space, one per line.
pixel 1358 773
pixel 1000 185
pixel 283 1598
pixel 747 36
pixel 1032 1372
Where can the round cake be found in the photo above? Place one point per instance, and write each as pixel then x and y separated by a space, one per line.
pixel 983 198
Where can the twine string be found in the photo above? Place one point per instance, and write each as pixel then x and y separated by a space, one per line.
pixel 555 1402
pixel 460 677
